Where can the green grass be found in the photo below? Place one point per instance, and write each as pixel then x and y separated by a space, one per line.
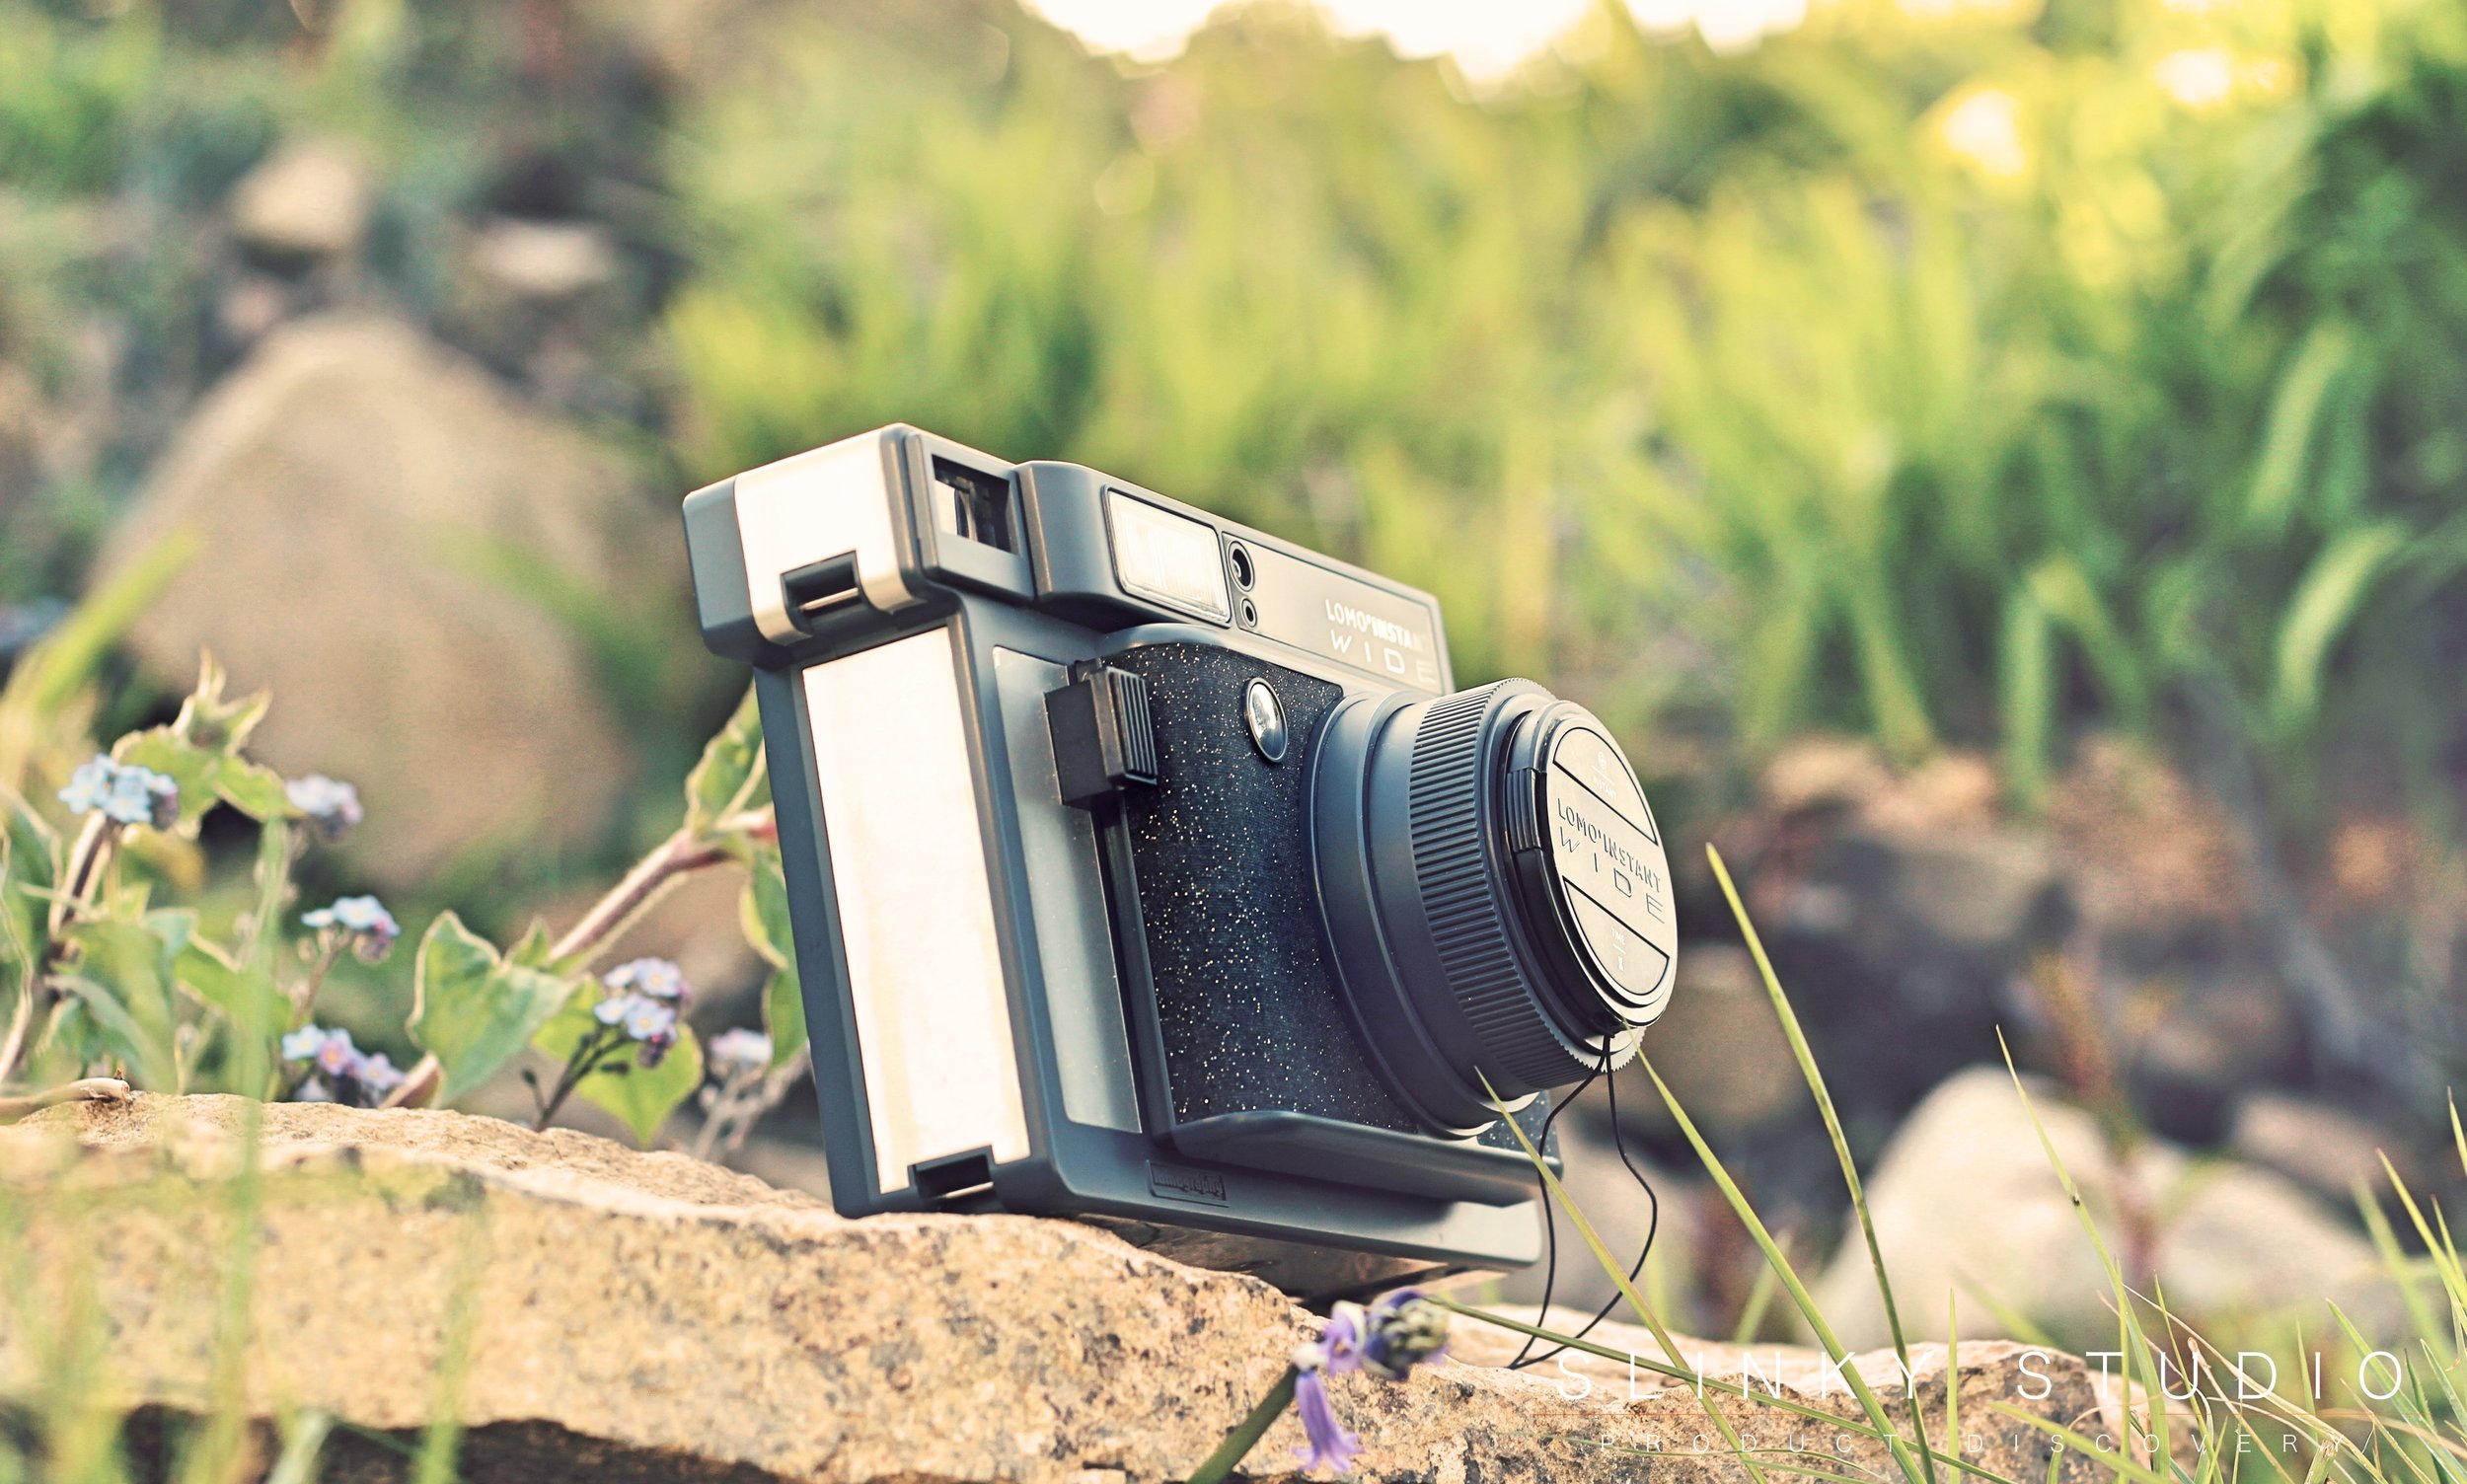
pixel 2416 1435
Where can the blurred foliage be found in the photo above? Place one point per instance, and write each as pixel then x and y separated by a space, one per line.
pixel 1974 377
pixel 1968 379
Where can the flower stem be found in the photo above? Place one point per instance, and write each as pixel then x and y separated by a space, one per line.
pixel 590 1056
pixel 680 854
pixel 1246 1433
pixel 92 1089
pixel 89 858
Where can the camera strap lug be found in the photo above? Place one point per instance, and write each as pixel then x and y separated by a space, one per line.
pixel 1103 738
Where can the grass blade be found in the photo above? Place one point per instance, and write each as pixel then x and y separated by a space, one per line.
pixel 1815 1079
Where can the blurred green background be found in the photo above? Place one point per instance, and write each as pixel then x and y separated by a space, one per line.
pixel 1985 382
pixel 1963 378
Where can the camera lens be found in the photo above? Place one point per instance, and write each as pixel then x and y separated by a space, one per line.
pixel 1495 891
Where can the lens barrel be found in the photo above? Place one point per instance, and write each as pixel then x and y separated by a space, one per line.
pixel 1495 891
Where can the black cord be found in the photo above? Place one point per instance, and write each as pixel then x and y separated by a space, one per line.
pixel 1550 1220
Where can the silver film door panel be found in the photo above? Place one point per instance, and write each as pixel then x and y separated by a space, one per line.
pixel 907 866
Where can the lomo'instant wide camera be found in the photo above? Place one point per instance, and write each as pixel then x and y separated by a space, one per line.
pixel 1147 868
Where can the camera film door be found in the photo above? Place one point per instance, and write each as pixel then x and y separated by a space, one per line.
pixel 916 905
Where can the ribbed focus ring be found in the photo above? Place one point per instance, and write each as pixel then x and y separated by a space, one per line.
pixel 1468 917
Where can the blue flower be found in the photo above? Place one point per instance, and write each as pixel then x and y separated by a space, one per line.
pixel 655 977
pixel 737 1050
pixel 361 921
pixel 653 1023
pixel 330 807
pixel 1402 1329
pixel 648 1019
pixel 122 793
pixel 302 1045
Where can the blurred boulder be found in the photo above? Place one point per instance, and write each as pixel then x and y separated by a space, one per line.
pixel 361 496
pixel 2152 867
pixel 1967 1204
pixel 542 261
pixel 2209 1038
pixel 1719 1047
pixel 2327 1150
pixel 1898 907
pixel 21 446
pixel 305 203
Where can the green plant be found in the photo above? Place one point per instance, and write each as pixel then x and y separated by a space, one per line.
pixel 107 978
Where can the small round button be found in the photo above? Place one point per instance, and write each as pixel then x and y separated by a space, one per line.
pixel 1264 716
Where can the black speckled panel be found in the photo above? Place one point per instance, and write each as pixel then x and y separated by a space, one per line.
pixel 1246 997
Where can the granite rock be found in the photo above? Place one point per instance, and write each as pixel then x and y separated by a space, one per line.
pixel 382 530
pixel 589 1311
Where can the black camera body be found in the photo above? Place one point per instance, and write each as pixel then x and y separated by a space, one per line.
pixel 1143 868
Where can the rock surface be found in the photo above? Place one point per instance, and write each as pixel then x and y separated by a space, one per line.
pixel 2231 1241
pixel 595 1313
pixel 361 499
pixel 307 202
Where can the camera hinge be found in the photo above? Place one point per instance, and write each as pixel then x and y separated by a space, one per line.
pixel 1102 736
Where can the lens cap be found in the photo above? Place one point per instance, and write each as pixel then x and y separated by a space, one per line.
pixel 1495 891
pixel 1597 877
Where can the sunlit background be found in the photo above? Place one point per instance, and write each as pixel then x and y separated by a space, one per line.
pixel 1999 468
pixel 1486 40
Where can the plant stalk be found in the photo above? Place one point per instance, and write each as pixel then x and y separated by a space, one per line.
pixel 1246 1433
pixel 679 855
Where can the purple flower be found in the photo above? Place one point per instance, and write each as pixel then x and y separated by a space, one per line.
pixel 738 1051
pixel 1402 1329
pixel 363 921
pixel 339 1072
pixel 378 1076
pixel 330 807
pixel 122 793
pixel 338 1057
pixel 656 977
pixel 655 1048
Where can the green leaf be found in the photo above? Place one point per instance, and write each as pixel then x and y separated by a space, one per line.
pixel 2294 414
pixel 643 1098
pixel 2026 674
pixel 252 788
pixel 730 777
pixel 66 658
pixel 783 1016
pixel 2332 589
pixel 471 1010
pixel 250 1003
pixel 247 996
pixel 172 755
pixel 764 914
pixel 29 865
pixel 124 976
pixel 205 777
pixel 532 951
pixel 209 723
